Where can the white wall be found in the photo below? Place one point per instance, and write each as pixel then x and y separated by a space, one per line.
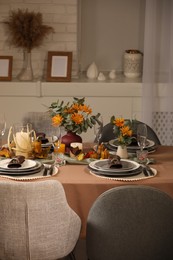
pixel 108 28
pixel 116 98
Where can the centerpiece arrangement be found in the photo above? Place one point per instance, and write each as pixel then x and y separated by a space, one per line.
pixel 75 117
pixel 123 130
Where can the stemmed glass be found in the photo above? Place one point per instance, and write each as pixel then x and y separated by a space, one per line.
pixel 98 128
pixel 55 138
pixel 142 136
pixel 2 127
pixel 58 151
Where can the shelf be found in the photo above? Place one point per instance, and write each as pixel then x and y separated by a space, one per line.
pixel 80 87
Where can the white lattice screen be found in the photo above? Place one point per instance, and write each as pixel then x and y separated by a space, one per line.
pixel 163 126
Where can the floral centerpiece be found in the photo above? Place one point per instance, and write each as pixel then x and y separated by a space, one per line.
pixel 123 130
pixel 75 117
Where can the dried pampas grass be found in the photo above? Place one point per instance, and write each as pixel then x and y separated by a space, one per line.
pixel 26 29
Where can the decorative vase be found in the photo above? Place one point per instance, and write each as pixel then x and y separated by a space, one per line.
pixel 92 71
pixel 26 73
pixel 132 63
pixel 69 138
pixel 122 151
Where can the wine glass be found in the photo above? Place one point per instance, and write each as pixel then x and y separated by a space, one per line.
pixel 55 138
pixel 58 148
pixel 98 128
pixel 2 127
pixel 142 136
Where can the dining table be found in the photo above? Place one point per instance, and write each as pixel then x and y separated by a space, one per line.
pixel 82 187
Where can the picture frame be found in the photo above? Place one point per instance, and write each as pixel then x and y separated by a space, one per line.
pixel 6 68
pixel 59 66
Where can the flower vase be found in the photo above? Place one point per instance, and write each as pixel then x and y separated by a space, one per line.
pixel 26 73
pixel 122 151
pixel 69 138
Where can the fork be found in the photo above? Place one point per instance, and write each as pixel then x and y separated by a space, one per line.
pixel 48 168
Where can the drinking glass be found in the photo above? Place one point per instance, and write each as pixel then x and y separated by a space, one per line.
pixel 2 127
pixel 142 136
pixel 55 137
pixel 58 148
pixel 98 128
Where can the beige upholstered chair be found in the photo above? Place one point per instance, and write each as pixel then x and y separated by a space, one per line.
pixel 36 223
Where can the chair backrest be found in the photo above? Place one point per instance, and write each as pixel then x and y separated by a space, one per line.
pixel 132 222
pixel 36 221
pixel 107 133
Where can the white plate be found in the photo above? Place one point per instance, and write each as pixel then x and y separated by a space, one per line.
pixel 103 165
pixel 150 144
pixel 27 164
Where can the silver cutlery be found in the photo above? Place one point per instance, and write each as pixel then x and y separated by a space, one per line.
pixel 147 170
pixel 48 169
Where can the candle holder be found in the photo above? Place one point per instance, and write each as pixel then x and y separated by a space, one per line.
pixel 20 139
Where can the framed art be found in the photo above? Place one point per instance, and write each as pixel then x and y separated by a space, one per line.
pixel 59 66
pixel 6 68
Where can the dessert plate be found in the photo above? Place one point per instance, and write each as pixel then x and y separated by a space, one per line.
pixel 104 166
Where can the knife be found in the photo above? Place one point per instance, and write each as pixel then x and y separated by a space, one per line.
pixel 51 170
pixel 45 171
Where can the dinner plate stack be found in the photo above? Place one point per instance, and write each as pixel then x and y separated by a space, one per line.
pixel 102 167
pixel 150 146
pixel 27 167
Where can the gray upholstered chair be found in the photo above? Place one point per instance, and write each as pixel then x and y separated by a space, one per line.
pixel 107 133
pixel 131 222
pixel 36 222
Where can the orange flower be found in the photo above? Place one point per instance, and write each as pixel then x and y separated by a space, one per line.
pixel 77 118
pixel 57 120
pixel 85 109
pixel 126 131
pixel 122 129
pixel 75 107
pixel 119 122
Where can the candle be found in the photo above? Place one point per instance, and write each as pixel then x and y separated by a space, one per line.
pixel 61 149
pixel 22 141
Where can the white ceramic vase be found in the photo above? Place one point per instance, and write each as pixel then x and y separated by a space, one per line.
pixel 122 152
pixel 133 63
pixel 92 71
